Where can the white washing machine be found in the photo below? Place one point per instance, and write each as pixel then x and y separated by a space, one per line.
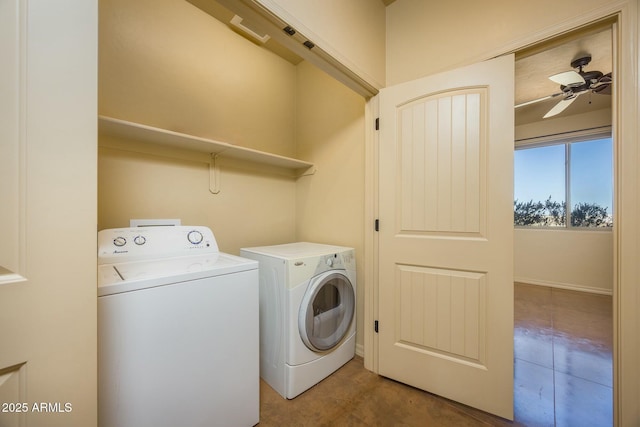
pixel 178 330
pixel 307 313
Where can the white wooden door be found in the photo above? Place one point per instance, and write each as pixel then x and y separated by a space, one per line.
pixel 446 234
pixel 48 146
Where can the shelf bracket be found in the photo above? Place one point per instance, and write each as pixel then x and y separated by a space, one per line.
pixel 310 171
pixel 214 175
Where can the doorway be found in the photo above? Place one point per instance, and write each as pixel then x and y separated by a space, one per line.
pixel 563 317
pixel 623 307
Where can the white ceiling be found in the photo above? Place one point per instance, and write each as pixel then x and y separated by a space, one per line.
pixel 533 71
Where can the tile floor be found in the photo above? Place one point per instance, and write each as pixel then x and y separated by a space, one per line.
pixel 563 377
pixel 563 357
pixel 353 396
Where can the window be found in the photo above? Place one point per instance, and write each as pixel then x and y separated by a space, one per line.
pixel 549 178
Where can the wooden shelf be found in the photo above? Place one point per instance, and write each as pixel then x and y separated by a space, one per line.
pixel 137 131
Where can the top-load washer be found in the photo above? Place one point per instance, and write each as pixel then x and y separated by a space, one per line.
pixel 307 312
pixel 177 330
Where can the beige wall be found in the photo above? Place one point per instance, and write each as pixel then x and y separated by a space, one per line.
pixel 170 65
pixel 353 31
pixel 427 37
pixel 330 203
pixel 526 133
pixel 574 259
pixel 167 64
pixel 252 208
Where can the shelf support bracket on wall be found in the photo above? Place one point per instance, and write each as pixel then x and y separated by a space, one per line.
pixel 310 171
pixel 214 175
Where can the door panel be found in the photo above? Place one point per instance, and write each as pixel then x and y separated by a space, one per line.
pixel 442 312
pixel 441 169
pixel 446 235
pixel 48 215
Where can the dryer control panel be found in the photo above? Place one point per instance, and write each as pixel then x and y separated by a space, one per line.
pixel 135 243
pixel 336 261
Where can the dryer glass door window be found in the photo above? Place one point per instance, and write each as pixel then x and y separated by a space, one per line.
pixel 326 311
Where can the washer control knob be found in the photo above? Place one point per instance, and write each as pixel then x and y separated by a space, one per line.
pixel 119 241
pixel 139 240
pixel 329 262
pixel 195 237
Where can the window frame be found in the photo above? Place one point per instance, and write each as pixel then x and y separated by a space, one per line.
pixel 566 139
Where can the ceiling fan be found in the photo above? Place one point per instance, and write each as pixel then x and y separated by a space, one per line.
pixel 575 83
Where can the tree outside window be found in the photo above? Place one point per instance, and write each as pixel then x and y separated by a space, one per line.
pixel 549 178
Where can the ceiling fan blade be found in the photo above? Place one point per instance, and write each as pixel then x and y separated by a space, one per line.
pixel 538 100
pixel 603 85
pixel 560 107
pixel 568 78
pixel 604 89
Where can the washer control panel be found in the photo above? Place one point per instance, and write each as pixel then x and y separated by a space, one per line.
pixel 134 243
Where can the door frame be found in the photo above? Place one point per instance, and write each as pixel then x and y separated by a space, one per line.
pixel 625 15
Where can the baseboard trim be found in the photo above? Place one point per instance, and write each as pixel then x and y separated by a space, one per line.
pixel 567 286
pixel 360 350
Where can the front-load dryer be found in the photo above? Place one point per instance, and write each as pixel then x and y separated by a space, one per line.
pixel 307 313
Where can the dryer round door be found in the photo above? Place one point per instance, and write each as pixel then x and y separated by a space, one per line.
pixel 326 311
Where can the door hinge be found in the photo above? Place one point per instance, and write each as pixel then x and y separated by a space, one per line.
pixel 376 225
pixel 377 123
pixel 375 326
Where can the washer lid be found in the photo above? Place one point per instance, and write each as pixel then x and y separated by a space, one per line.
pixel 132 276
